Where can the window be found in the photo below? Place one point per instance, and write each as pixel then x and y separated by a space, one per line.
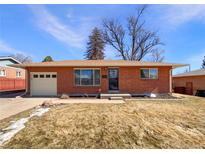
pixel 48 75
pixel 149 73
pixel 97 77
pixel 41 76
pixel 153 73
pixel 77 77
pixel 35 76
pixel 2 72
pixel 53 76
pixel 145 73
pixel 87 77
pixel 18 73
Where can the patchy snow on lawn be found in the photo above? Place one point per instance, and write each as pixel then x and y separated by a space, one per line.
pixel 153 95
pixel 18 125
pixel 39 112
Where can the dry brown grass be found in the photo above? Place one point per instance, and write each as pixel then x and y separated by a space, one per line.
pixel 135 124
pixel 7 121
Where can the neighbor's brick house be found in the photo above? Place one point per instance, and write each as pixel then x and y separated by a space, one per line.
pixel 11 78
pixel 98 76
pixel 189 82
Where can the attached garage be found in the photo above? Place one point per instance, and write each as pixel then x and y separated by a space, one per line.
pixel 43 83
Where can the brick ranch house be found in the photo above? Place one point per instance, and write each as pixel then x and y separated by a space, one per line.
pixel 98 76
pixel 11 78
pixel 189 82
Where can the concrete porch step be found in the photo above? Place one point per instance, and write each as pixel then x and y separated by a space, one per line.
pixel 109 95
pixel 116 98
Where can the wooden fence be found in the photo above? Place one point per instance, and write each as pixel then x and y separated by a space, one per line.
pixel 7 84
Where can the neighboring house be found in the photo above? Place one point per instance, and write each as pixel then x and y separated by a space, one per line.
pixel 98 76
pixel 11 78
pixel 189 82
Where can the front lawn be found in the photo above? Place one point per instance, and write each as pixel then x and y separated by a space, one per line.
pixel 135 124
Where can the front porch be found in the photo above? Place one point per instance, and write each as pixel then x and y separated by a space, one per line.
pixel 110 95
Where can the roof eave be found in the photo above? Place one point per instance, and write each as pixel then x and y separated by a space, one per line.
pixel 181 76
pixel 179 65
pixel 143 65
pixel 18 62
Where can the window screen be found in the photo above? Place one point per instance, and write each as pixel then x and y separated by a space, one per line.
pixel 149 73
pixel 87 77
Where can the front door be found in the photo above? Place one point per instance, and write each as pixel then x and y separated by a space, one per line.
pixel 113 75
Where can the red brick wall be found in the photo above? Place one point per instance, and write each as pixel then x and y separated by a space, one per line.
pixel 129 80
pixel 197 81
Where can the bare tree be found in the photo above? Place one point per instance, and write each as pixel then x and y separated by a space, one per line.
pixel 134 41
pixel 157 56
pixel 22 58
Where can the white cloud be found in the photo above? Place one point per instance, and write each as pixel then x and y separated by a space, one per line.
pixel 176 15
pixel 4 47
pixel 53 26
pixel 84 24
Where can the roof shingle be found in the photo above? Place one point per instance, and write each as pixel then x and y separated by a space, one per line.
pixel 97 63
pixel 198 72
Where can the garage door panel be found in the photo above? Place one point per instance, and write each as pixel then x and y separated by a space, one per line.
pixel 43 83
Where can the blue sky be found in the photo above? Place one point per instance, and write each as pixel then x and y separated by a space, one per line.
pixel 62 30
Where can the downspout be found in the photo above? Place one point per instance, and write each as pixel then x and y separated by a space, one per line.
pixel 170 80
pixel 26 71
pixel 26 80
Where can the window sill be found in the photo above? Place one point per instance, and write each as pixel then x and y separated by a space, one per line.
pixel 148 79
pixel 87 85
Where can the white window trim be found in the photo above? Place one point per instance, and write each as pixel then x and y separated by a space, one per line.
pixel 39 73
pixel 4 71
pixel 18 74
pixel 93 85
pixel 149 74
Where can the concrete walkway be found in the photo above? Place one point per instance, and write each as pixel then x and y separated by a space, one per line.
pixel 12 106
pixel 87 100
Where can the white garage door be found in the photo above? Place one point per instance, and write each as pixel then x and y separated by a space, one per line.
pixel 43 83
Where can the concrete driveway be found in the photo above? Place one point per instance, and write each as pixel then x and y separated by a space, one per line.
pixel 12 106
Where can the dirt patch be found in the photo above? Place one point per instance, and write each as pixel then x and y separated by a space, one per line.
pixel 135 124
